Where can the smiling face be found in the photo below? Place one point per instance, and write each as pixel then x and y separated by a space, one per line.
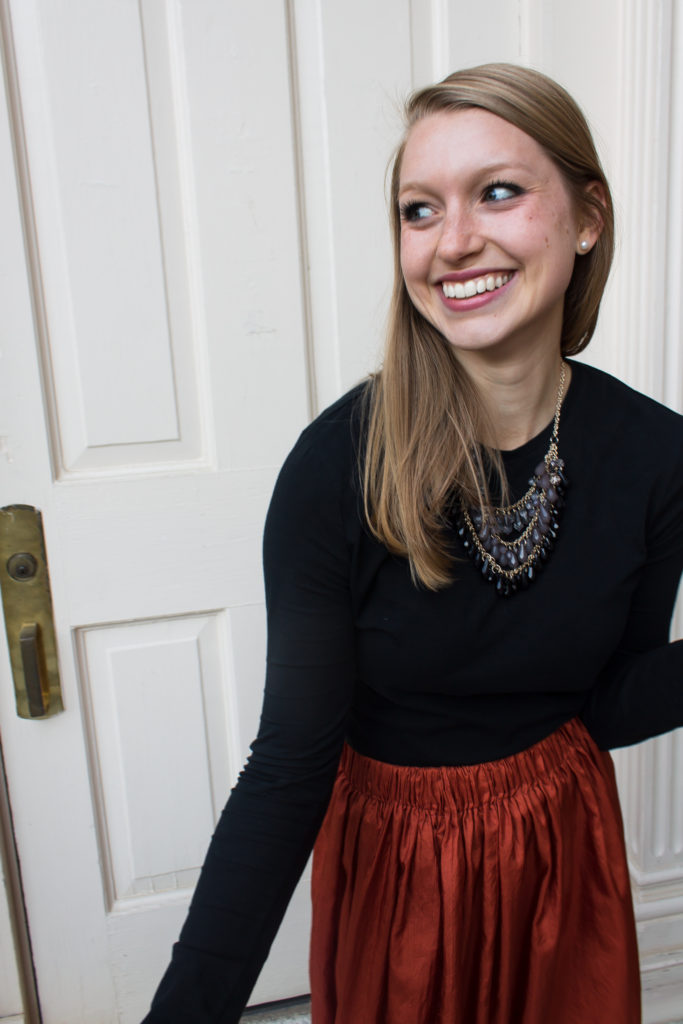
pixel 489 233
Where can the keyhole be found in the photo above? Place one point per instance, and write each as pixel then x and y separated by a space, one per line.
pixel 22 566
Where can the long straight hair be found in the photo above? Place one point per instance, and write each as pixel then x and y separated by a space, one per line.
pixel 425 418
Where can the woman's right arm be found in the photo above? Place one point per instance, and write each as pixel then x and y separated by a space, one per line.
pixel 268 827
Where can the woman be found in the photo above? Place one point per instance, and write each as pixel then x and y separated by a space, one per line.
pixel 468 641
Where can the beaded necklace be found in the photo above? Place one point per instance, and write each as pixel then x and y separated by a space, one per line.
pixel 509 545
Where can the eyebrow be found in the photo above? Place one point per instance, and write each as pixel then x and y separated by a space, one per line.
pixel 480 172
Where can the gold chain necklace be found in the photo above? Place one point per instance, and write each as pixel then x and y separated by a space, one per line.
pixel 510 544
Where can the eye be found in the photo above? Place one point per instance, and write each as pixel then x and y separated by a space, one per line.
pixel 498 191
pixel 415 211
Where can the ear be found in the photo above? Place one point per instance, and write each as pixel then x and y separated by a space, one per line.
pixel 590 220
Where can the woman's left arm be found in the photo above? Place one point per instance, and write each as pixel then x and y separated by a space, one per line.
pixel 639 693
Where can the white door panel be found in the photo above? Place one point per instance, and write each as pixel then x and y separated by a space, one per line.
pixel 165 290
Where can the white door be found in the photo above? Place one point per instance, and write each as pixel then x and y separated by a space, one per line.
pixel 154 375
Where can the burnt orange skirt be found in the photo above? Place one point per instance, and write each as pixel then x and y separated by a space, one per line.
pixel 488 894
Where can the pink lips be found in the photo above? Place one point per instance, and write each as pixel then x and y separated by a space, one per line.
pixel 473 301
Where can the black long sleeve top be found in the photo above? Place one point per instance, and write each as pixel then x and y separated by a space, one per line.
pixel 357 652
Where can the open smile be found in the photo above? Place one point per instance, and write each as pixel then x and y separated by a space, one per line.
pixel 474 286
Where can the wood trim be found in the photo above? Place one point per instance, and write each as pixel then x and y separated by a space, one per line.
pixel 17 910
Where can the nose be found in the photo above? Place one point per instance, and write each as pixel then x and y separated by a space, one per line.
pixel 460 235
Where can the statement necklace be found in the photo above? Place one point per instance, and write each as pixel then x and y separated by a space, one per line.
pixel 511 544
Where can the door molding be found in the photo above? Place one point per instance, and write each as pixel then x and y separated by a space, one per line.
pixel 11 870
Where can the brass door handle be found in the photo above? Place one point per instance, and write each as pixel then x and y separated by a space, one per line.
pixel 35 670
pixel 27 604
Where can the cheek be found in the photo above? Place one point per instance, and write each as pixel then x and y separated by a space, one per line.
pixel 415 277
pixel 410 262
pixel 549 244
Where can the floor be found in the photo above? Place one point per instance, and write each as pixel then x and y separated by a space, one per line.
pixel 294 1011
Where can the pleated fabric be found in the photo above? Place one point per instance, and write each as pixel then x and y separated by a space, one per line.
pixel 495 893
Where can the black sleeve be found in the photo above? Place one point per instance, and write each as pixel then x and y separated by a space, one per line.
pixel 266 832
pixel 639 693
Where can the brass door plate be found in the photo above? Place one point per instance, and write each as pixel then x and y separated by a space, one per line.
pixel 27 604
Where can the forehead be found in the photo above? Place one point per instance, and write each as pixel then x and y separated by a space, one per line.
pixel 469 141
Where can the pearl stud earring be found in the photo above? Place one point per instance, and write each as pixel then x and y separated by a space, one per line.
pixel 583 245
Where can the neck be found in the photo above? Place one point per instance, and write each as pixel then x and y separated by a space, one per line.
pixel 519 395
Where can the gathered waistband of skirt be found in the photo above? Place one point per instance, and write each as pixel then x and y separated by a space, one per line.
pixel 457 787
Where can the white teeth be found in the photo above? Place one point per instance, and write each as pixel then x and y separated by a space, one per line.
pixel 478 285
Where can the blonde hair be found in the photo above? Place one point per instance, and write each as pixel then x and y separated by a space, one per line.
pixel 424 416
